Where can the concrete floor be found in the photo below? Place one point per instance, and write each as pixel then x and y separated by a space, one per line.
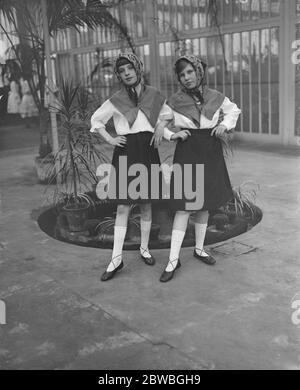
pixel 235 315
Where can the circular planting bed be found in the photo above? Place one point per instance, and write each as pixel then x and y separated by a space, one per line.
pixel 98 228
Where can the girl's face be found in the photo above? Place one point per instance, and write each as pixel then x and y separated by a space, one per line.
pixel 188 77
pixel 128 74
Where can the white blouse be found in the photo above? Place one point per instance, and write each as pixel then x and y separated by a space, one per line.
pixel 107 110
pixel 231 114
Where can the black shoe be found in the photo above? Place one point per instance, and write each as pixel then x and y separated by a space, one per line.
pixel 166 275
pixel 147 260
pixel 206 259
pixel 109 275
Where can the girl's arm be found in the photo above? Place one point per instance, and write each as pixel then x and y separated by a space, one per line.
pixel 99 119
pixel 101 116
pixel 166 117
pixel 231 115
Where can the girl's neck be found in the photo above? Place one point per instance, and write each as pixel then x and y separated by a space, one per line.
pixel 138 89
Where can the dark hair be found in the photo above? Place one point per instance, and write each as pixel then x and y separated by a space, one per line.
pixel 122 61
pixel 181 65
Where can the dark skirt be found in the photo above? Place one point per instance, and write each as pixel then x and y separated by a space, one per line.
pixel 202 148
pixel 138 151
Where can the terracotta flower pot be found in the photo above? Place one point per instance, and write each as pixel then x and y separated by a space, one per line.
pixel 74 217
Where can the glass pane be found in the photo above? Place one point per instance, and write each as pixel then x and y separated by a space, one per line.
pixel 144 18
pixel 236 9
pixel 255 9
pixel 219 65
pixel 228 64
pixel 187 14
pixel 236 94
pixel 254 82
pixel 202 13
pixel 162 67
pixel 265 74
pixel 203 49
pixel 160 17
pixel 245 7
pixel 166 51
pixel 195 46
pixel 179 9
pixel 275 7
pixel 138 19
pixel 167 16
pixel 246 81
pixel 297 86
pixel 265 8
pixel 173 14
pixel 227 8
pixel 211 69
pixel 275 79
pixel 194 13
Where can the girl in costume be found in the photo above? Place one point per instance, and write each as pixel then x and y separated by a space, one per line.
pixel 136 110
pixel 203 116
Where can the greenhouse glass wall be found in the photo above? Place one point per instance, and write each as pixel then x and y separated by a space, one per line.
pixel 252 48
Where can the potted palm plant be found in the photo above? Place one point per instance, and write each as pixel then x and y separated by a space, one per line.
pixel 75 163
pixel 24 32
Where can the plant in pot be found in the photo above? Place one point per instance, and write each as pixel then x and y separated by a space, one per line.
pixel 243 202
pixel 23 28
pixel 89 144
pixel 74 173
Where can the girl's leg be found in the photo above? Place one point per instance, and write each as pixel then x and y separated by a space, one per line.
pixel 119 236
pixel 178 232
pixel 201 218
pixel 146 221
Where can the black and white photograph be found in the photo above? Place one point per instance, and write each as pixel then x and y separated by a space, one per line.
pixel 149 188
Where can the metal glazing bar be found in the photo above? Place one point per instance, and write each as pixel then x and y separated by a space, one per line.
pixel 250 83
pixel 215 61
pixel 231 75
pixel 241 82
pixel 223 71
pixel 269 83
pixel 259 84
pixel 191 14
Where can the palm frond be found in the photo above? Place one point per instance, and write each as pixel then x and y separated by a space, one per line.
pixel 244 198
pixel 64 14
pixel 8 9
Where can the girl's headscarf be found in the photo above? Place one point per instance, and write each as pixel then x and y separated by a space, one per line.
pixel 200 69
pixel 130 58
pixel 192 103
